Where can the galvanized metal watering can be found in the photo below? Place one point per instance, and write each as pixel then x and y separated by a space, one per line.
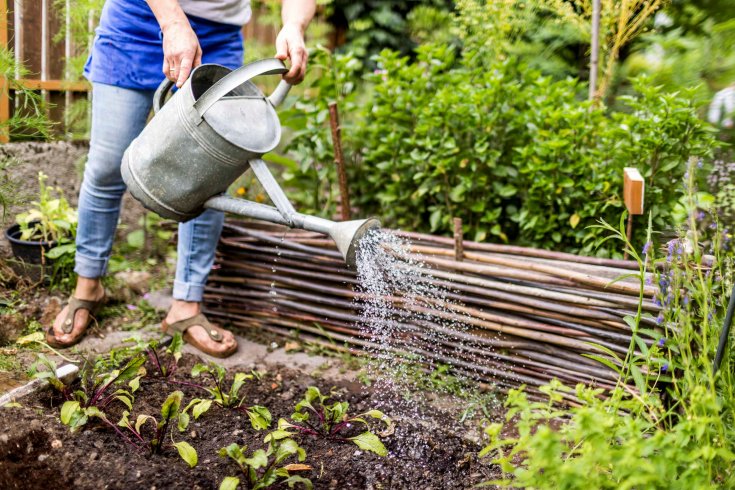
pixel 215 127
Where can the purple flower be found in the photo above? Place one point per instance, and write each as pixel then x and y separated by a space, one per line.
pixel 147 296
pixel 665 367
pixel 700 216
pixel 660 319
pixel 646 248
pixel 132 307
pixel 662 341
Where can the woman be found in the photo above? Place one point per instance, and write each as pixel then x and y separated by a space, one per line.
pixel 134 40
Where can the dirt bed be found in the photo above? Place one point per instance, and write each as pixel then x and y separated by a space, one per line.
pixel 425 452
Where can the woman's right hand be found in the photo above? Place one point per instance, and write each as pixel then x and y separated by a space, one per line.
pixel 181 51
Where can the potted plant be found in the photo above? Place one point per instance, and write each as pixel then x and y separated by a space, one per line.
pixel 47 230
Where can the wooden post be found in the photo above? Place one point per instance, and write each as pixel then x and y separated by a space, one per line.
pixel 344 196
pixel 633 196
pixel 594 49
pixel 458 240
pixel 4 82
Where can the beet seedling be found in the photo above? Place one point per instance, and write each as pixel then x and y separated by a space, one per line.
pixel 260 417
pixel 315 417
pixel 263 468
pixel 166 361
pixel 170 414
pixel 95 389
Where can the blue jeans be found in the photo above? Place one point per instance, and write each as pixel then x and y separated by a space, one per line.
pixel 118 116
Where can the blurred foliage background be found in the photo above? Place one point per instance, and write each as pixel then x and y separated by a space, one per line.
pixel 478 109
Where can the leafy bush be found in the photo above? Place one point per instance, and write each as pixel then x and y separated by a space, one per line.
pixel 517 155
pixel 514 154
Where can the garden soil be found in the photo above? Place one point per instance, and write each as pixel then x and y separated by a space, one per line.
pixel 425 452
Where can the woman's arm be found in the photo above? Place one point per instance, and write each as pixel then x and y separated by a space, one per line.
pixel 181 50
pixel 296 15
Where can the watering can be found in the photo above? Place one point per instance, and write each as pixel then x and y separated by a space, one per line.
pixel 211 130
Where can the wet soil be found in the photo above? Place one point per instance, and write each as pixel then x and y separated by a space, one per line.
pixel 427 450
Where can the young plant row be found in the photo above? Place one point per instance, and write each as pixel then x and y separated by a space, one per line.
pixel 109 384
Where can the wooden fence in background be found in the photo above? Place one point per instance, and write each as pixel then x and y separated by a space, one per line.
pixel 39 35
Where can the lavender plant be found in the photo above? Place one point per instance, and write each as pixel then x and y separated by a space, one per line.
pixel 314 416
pixel 674 429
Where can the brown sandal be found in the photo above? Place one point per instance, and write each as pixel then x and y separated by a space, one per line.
pixel 201 321
pixel 75 304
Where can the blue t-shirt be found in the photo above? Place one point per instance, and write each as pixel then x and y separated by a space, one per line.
pixel 128 46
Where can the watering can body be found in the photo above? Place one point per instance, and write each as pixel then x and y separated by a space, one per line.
pixel 200 142
pixel 213 129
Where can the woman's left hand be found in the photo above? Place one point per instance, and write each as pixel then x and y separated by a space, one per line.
pixel 290 45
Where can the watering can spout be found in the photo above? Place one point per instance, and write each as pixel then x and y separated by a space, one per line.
pixel 347 236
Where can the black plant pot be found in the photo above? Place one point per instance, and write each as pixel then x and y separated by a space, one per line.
pixel 30 252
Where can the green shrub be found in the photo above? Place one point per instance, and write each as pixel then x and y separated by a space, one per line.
pixel 514 154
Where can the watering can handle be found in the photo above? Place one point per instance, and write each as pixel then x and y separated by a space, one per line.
pixel 225 85
pixel 159 97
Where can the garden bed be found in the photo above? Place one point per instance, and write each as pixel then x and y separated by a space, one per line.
pixel 426 451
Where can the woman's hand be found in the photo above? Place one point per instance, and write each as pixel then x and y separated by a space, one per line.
pixel 290 45
pixel 181 51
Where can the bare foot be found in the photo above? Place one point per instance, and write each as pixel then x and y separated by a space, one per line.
pixel 87 289
pixel 197 335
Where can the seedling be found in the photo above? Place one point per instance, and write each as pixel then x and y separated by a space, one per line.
pixel 263 468
pixel 166 361
pixel 95 390
pixel 260 417
pixel 315 417
pixel 170 414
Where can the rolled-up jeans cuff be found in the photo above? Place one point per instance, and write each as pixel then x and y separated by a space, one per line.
pixel 186 291
pixel 90 267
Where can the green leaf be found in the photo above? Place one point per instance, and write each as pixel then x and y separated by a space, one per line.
pixel 141 420
pixel 67 410
pixel 277 434
pixel 237 384
pixel 198 369
pixel 183 421
pixel 370 442
pixel 200 408
pixel 638 378
pixel 177 343
pixel 131 369
pixel 136 239
pixel 258 460
pixel 294 479
pixel 187 453
pixel 286 448
pixel 229 483
pixel 134 384
pixel 170 407
pixel 574 220
pixel 260 417
pixel 60 250
pixel 603 360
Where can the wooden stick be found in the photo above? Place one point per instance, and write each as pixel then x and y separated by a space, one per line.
pixel 344 194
